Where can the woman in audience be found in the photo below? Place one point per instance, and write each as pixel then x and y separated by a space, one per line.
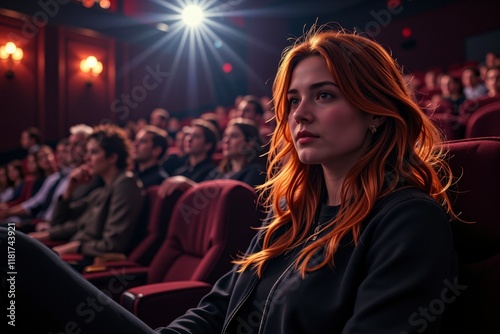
pixel 6 188
pixel 357 239
pixel 33 180
pixel 105 220
pixel 242 151
pixel 452 92
pixel 15 173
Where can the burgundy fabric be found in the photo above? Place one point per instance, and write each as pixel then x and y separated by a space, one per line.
pixel 475 163
pixel 485 122
pixel 452 126
pixel 161 303
pixel 211 223
pixel 471 106
pixel 160 210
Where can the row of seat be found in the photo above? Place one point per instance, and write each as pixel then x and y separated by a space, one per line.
pixel 209 225
pixel 185 267
pixel 213 221
pixel 484 121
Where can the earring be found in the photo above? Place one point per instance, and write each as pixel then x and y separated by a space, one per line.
pixel 373 128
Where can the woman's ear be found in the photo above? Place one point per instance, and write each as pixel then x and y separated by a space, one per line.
pixel 377 120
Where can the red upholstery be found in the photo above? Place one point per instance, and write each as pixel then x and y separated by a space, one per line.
pixel 471 106
pixel 211 225
pixel 157 214
pixel 485 122
pixel 160 211
pixel 197 246
pixel 451 126
pixel 476 197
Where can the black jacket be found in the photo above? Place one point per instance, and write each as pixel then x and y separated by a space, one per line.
pixel 398 279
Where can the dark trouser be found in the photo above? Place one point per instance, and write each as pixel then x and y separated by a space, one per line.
pixel 46 295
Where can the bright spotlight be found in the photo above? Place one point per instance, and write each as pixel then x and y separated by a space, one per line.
pixel 192 15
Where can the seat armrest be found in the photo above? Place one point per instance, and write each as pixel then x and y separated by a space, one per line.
pixel 117 280
pixel 108 266
pixel 159 304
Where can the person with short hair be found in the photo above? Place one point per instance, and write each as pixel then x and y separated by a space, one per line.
pixel 31 139
pixel 160 118
pixel 105 220
pixel 473 88
pixel 243 159
pixel 250 107
pixel 150 145
pixel 200 144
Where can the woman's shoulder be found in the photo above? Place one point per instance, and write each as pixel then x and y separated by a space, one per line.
pixel 409 208
pixel 127 181
pixel 407 195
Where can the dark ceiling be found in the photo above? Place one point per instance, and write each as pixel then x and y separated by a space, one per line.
pixel 139 28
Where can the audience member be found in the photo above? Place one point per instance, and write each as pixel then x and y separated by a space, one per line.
pixel 31 139
pixel 452 92
pixel 492 84
pixel 38 205
pixel 62 152
pixel 493 81
pixel 176 155
pixel 201 142
pixel 243 159
pixel 6 188
pixel 15 173
pixel 160 118
pixel 250 107
pixel 33 180
pixel 103 221
pixel 473 88
pixel 37 211
pixel 149 147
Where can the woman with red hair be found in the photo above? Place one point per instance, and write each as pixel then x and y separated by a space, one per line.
pixel 357 239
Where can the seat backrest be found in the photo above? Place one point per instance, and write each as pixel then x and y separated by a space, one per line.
pixel 469 107
pixel 211 223
pixel 158 213
pixel 485 122
pixel 476 197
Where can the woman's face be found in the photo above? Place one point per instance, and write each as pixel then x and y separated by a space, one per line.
pixel 493 81
pixel 233 142
pixel 46 159
pixel 3 177
pixel 326 129
pixel 31 164
pixel 13 173
pixel 96 160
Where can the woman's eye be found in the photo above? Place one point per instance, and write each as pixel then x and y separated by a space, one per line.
pixel 325 95
pixel 293 101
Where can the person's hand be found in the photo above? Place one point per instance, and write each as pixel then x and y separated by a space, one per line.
pixel 42 226
pixel 70 247
pixel 175 183
pixel 78 176
pixel 43 235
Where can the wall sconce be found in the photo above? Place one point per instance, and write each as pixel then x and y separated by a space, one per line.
pixel 11 53
pixel 104 4
pixel 91 65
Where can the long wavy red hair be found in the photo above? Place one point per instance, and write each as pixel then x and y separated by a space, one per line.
pixel 404 152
